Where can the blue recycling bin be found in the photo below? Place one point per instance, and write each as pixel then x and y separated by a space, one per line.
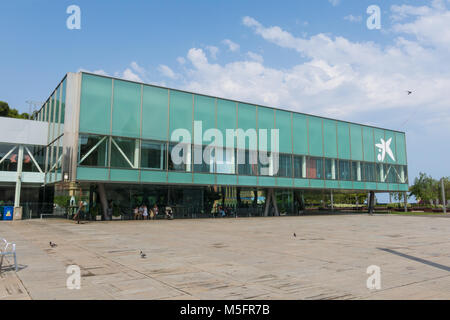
pixel 8 213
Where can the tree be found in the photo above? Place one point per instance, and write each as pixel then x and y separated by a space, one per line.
pixel 425 188
pixel 6 111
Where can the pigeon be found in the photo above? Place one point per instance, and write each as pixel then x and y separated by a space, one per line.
pixel 409 92
pixel 143 255
pixel 295 234
pixel 52 244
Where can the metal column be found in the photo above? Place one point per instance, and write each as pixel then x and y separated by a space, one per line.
pixel 19 177
pixel 444 201
pixel 371 201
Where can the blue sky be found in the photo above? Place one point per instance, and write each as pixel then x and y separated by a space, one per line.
pixel 317 57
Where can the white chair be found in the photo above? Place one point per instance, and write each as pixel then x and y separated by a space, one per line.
pixel 5 246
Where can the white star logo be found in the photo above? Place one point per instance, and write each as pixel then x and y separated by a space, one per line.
pixel 383 148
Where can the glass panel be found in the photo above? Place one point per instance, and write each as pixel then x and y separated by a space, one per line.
pixel 247 120
pixel 247 162
pixel 93 150
pixel 356 142
pixel 300 133
pixel 300 166
pixel 180 111
pixel 391 174
pixel 206 164
pixel 369 171
pixel 283 123
pixel 226 116
pixel 285 165
pixel 379 134
pixel 9 163
pixel 266 121
pixel 329 138
pixel 63 101
pixel 46 109
pixel 182 157
pixel 315 136
pixel 343 140
pixel 155 108
pixel 401 147
pixel 38 153
pixel 405 173
pixel 227 163
pixel 266 163
pixel 391 147
pixel 95 105
pixel 314 168
pixel 126 109
pixel 205 111
pixel 123 152
pixel 330 169
pixel 380 176
pixel 356 171
pixel 153 155
pixel 344 170
pixel 369 144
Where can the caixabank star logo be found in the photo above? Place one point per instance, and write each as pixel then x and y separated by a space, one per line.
pixel 384 147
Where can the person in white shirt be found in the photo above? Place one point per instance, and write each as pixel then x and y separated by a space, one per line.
pixel 145 212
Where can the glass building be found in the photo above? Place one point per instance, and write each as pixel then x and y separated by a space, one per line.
pixel 111 140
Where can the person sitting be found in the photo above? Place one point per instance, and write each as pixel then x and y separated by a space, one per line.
pixel 221 212
pixel 169 214
pixel 153 212
pixel 141 211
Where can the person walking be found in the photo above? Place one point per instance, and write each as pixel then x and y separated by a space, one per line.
pixel 77 215
pixel 136 213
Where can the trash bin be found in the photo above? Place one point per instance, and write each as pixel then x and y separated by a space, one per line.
pixel 8 213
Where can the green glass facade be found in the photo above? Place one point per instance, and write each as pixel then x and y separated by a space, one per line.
pixel 123 133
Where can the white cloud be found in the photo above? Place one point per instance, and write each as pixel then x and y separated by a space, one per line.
pixel 334 3
pixel 353 18
pixel 232 46
pixel 167 72
pixel 128 74
pixel 359 81
pixel 430 25
pixel 137 68
pixel 255 57
pixel 181 60
pixel 213 51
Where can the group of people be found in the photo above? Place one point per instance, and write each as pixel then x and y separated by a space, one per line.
pixel 142 212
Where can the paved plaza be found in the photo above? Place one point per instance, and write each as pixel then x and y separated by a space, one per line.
pixel 243 258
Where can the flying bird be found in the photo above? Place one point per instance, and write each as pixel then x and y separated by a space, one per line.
pixel 143 255
pixel 409 92
pixel 52 244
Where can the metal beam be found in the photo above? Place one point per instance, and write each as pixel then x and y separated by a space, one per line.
pixel 92 150
pixel 34 160
pixel 7 155
pixel 122 153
